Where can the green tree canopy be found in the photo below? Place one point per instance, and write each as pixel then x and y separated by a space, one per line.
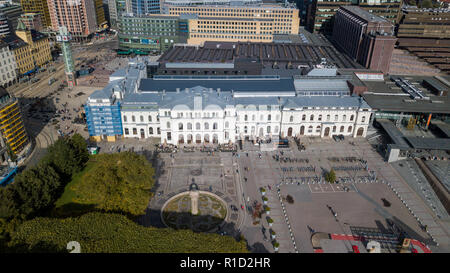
pixel 113 233
pixel 117 182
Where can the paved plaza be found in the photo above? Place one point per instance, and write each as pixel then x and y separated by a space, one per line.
pixel 369 194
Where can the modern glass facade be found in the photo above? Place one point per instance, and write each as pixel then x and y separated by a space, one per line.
pixel 142 7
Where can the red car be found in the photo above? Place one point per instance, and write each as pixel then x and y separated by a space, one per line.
pixel 355 249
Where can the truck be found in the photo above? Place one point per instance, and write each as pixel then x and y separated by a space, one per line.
pixel 51 81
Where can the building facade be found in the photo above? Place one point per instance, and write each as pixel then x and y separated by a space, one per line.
pixel 221 109
pixel 4 25
pixel 37 6
pixel 32 21
pixel 142 7
pixel 320 13
pixel 8 67
pixel 426 34
pixel 239 22
pixel 367 38
pixel 31 49
pixel 78 16
pixel 151 33
pixel 12 127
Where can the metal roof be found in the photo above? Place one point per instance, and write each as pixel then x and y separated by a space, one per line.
pixel 429 143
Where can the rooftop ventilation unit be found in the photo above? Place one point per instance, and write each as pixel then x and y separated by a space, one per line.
pixel 409 88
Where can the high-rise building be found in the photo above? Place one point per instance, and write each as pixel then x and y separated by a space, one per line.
pixel 116 9
pixel 8 65
pixel 37 6
pixel 31 48
pixel 142 7
pixel 320 13
pixel 4 25
pixel 365 37
pixel 99 13
pixel 78 16
pixel 12 128
pixel 32 21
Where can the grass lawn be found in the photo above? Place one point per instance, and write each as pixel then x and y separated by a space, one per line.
pixel 66 201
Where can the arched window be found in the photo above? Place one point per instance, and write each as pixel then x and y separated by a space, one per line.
pixel 310 129
pixel 320 117
pixel 304 117
pixel 269 117
pixel 133 119
pixel 334 129
pixel 245 129
pixel 342 129
pixel 312 117
pixel 318 129
pixel 124 118
pixel 328 117
pixel 268 129
pixel 149 118
pixel 352 117
pixel 134 131
pixel 276 130
pixel 363 119
pixel 206 126
pixel 150 130
pixel 141 118
pixel 189 126
pixel 197 126
pixel 168 125
pixel 215 126
pixel 245 118
pixel 253 117
pixel 126 131
pixel 227 124
pixel 180 126
pixel 344 118
pixel 335 117
pixel 349 129
pixel 291 119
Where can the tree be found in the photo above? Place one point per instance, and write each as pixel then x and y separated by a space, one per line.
pixel 426 4
pixel 290 199
pixel 62 157
pixel 330 176
pixel 35 190
pixel 113 233
pixel 8 206
pixel 79 146
pixel 117 183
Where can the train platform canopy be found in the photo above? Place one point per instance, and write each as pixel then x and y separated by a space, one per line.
pixel 394 133
pixel 429 143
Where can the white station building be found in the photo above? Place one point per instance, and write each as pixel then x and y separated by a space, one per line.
pixel 224 109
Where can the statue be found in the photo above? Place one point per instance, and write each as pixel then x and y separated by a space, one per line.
pixel 194 194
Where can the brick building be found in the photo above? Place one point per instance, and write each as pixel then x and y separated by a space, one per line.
pixel 367 38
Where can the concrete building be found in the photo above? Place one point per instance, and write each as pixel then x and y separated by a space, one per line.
pixel 12 128
pixel 224 109
pixel 32 21
pixel 78 16
pixel 367 38
pixel 37 6
pixel 151 33
pixel 194 25
pixel 8 67
pixel 210 2
pixel 253 23
pixel 31 49
pixel 426 34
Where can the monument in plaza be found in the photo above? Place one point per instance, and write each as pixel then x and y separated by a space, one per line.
pixel 194 194
pixel 194 209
